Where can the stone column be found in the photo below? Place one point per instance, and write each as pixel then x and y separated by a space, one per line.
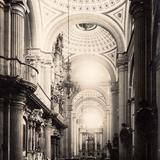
pixel 101 140
pixel 30 136
pixel 34 136
pixel 114 104
pixel 1 126
pixel 48 130
pixel 73 134
pixel 47 75
pixel 75 137
pixel 54 148
pixel 108 124
pixel 122 63
pixel 7 39
pixel 17 34
pixel 69 128
pixel 144 146
pixel 1 36
pixel 16 126
pixel 7 29
pixel 58 147
pixel 80 141
pixel 105 128
pixel 95 135
pixel 62 145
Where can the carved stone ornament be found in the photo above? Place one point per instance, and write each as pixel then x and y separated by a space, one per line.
pixel 36 115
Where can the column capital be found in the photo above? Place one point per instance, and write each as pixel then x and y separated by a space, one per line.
pixel 19 7
pixel 18 100
pixel 137 8
pixel 48 122
pixel 1 3
pixel 122 60
pixel 114 87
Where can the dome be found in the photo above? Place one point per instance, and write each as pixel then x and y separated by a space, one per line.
pixel 88 39
pixel 85 5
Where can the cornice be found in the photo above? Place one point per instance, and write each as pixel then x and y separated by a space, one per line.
pixel 15 85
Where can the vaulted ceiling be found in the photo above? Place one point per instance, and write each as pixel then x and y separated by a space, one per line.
pixel 98 29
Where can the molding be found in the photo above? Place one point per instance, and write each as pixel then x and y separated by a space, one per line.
pixel 15 85
pixel 18 8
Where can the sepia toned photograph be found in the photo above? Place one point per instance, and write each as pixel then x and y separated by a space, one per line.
pixel 79 79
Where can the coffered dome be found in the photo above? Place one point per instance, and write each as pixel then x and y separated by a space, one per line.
pixel 86 5
pixel 88 39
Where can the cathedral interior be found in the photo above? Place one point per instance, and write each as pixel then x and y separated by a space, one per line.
pixel 79 79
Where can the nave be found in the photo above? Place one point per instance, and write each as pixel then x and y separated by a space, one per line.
pixel 79 79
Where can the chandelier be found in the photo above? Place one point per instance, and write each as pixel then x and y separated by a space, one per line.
pixel 68 84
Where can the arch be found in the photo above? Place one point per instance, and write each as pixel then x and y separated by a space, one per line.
pixel 77 104
pixel 92 91
pixel 78 110
pixel 99 19
pixel 104 61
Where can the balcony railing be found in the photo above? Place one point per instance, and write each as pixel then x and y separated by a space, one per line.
pixel 15 68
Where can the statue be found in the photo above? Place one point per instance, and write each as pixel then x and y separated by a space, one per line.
pixel 59 43
pixel 125 135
